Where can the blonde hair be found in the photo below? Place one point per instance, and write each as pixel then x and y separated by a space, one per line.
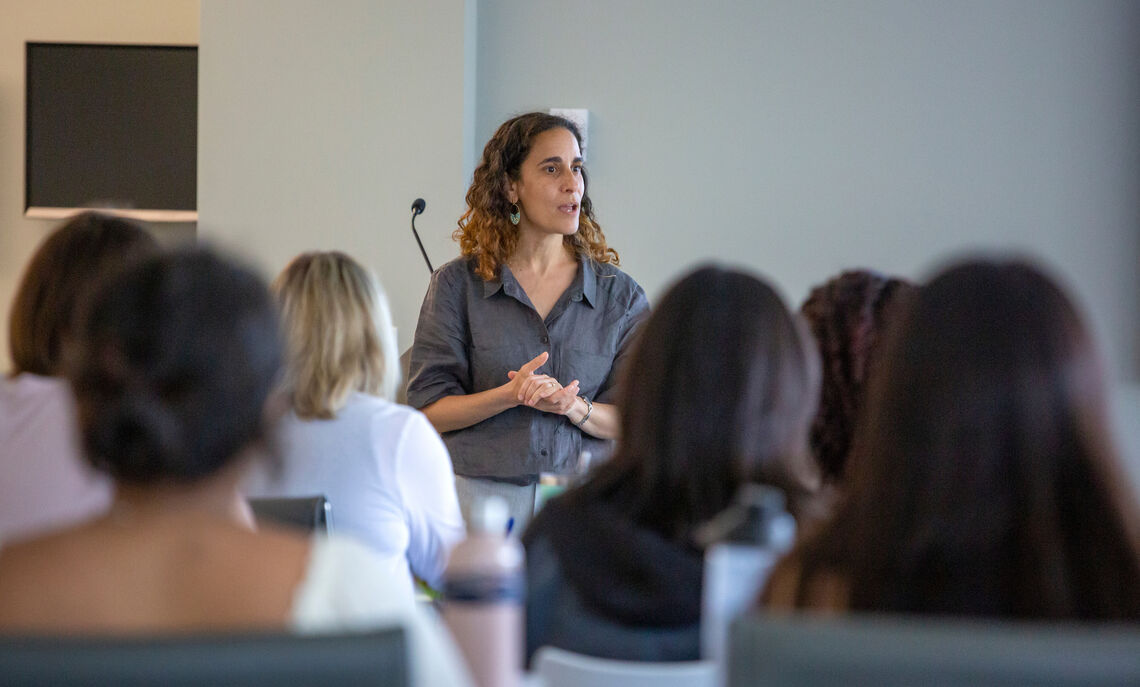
pixel 338 333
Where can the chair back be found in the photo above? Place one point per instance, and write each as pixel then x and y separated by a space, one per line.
pixel 560 668
pixel 310 513
pixel 857 650
pixel 254 660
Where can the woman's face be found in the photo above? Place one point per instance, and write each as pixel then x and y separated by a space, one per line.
pixel 550 184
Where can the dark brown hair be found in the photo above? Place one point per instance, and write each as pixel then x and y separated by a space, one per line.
pixel 983 482
pixel 67 264
pixel 848 316
pixel 176 358
pixel 719 391
pixel 484 231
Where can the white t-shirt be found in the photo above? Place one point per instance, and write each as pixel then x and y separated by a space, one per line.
pixel 386 474
pixel 347 588
pixel 45 483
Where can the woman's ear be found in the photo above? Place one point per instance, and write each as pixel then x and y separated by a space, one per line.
pixel 512 191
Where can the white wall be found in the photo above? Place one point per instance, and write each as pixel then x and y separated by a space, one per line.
pixel 89 21
pixel 320 122
pixel 802 137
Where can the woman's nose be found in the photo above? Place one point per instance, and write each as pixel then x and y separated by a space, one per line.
pixel 571 181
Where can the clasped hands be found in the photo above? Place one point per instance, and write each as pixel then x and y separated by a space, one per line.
pixel 540 391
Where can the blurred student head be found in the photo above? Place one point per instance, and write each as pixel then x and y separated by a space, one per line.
pixel 719 391
pixel 176 359
pixel 62 269
pixel 338 332
pixel 848 316
pixel 983 481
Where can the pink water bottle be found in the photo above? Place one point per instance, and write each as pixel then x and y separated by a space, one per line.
pixel 483 597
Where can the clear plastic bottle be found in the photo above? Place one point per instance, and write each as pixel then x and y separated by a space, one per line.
pixel 483 594
pixel 741 546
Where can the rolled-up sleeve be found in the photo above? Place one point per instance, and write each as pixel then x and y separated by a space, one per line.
pixel 440 365
pixel 636 313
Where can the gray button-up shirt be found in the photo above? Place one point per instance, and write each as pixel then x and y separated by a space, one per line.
pixel 472 332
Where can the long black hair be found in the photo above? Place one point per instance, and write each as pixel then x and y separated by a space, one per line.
pixel 719 391
pixel 984 481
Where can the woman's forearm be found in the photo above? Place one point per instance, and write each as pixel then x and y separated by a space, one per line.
pixel 604 421
pixel 456 412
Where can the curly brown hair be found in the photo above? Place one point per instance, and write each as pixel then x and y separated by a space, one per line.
pixel 484 231
pixel 847 315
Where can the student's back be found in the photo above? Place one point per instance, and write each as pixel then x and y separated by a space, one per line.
pixel 151 573
pixel 44 481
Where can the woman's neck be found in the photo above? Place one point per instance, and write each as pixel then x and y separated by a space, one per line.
pixel 540 254
pixel 217 497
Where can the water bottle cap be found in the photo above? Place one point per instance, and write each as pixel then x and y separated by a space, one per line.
pixel 761 496
pixel 491 515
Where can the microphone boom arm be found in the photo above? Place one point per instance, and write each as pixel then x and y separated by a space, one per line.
pixel 417 208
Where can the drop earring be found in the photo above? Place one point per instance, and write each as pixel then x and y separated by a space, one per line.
pixel 516 214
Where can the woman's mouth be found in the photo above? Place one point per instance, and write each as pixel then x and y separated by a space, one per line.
pixel 570 209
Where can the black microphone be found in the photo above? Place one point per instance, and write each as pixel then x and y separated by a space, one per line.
pixel 418 206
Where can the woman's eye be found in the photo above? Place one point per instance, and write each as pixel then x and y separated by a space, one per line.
pixel 578 170
pixel 551 169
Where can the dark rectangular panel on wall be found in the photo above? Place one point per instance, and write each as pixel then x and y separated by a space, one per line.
pixel 112 126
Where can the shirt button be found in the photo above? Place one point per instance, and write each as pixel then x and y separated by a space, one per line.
pixel 545 339
pixel 576 297
pixel 543 452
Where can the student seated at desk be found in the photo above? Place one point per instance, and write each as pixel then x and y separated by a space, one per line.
pixel 45 483
pixel 382 466
pixel 174 374
pixel 848 315
pixel 983 482
pixel 720 391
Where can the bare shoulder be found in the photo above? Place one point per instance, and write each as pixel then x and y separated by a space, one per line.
pixel 272 553
pixel 33 559
pixel 30 571
pixel 783 586
pixel 158 576
pixel 788 590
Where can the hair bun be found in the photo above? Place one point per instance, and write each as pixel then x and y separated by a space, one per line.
pixel 143 437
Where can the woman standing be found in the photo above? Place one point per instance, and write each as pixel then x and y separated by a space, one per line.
pixel 520 339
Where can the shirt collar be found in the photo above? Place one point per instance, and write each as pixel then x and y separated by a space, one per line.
pixel 493 286
pixel 587 280
pixel 585 283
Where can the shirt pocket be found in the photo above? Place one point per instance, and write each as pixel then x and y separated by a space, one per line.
pixel 590 369
pixel 489 366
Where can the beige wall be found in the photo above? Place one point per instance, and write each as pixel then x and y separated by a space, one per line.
pixel 96 21
pixel 320 122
